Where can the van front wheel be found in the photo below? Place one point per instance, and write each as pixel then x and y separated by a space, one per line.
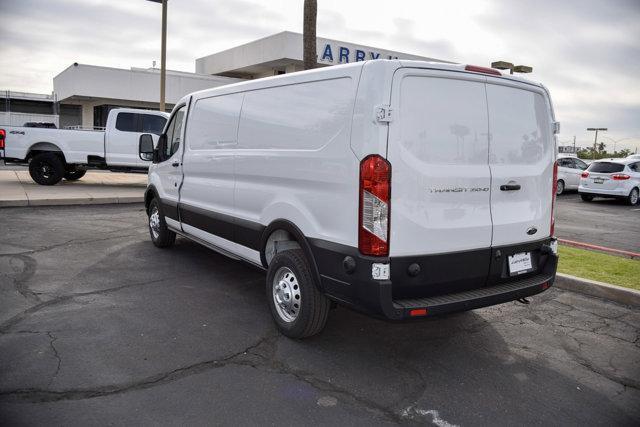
pixel 299 309
pixel 161 236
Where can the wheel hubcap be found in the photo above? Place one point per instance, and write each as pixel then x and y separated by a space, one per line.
pixel 560 188
pixel 45 170
pixel 286 294
pixel 154 222
pixel 634 197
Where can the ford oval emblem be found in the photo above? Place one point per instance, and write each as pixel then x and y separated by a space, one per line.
pixel 531 231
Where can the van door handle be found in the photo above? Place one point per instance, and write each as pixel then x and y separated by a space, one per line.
pixel 510 187
pixel 175 164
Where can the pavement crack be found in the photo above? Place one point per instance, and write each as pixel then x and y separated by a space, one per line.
pixel 56 354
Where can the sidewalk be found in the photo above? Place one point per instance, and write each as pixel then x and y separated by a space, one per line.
pixel 96 187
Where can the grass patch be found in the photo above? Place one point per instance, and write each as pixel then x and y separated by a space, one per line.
pixel 601 267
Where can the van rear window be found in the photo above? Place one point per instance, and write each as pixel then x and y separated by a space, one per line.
pixel 605 167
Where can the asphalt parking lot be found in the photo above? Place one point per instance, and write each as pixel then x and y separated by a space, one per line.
pixel 97 326
pixel 604 222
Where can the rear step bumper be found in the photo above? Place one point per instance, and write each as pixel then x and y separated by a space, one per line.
pixel 445 283
pixel 476 298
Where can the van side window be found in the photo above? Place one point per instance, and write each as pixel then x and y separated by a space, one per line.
pixel 127 122
pixel 152 124
pixel 174 133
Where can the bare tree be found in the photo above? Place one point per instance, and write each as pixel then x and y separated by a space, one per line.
pixel 309 34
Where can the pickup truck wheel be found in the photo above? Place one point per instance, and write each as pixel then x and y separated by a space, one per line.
pixel 74 175
pixel 46 168
pixel 299 309
pixel 161 236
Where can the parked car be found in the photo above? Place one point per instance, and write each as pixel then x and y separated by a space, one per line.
pixel 371 185
pixel 54 154
pixel 569 173
pixel 633 156
pixel 617 178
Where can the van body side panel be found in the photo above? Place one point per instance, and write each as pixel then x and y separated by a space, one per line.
pixel 522 152
pixel 293 159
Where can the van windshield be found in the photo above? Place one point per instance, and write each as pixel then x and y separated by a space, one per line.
pixel 605 167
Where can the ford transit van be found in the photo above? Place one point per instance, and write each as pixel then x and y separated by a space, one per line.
pixel 401 189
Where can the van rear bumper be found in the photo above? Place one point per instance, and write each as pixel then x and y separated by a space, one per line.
pixel 476 279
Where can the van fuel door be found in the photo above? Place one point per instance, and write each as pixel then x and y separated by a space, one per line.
pixel 383 113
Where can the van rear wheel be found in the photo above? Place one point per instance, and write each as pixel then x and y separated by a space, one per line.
pixel 299 309
pixel 46 168
pixel 160 234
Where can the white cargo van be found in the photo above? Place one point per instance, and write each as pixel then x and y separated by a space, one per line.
pixel 402 189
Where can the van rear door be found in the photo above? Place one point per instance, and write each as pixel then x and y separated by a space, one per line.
pixel 438 150
pixel 521 156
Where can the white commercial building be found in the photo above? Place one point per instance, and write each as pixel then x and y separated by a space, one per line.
pixel 84 94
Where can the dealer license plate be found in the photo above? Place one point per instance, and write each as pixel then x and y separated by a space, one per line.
pixel 520 263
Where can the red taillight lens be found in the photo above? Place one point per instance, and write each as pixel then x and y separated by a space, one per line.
pixel 585 174
pixel 375 209
pixel 620 176
pixel 3 135
pixel 418 312
pixel 554 188
pixel 484 70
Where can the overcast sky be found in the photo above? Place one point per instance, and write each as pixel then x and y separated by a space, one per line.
pixel 586 52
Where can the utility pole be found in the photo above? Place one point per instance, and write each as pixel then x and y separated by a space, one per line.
pixel 163 53
pixel 574 145
pixel 595 141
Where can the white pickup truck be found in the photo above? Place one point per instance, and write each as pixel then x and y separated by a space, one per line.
pixel 54 154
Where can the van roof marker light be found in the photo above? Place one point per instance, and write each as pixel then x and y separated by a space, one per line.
pixel 483 70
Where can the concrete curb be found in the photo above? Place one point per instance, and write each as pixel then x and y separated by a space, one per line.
pixel 72 201
pixel 593 288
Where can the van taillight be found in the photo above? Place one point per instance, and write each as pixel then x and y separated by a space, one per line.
pixel 585 174
pixel 375 197
pixel 620 177
pixel 554 188
pixel 3 135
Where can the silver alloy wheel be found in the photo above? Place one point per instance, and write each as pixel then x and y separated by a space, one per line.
pixel 634 196
pixel 286 294
pixel 154 222
pixel 559 188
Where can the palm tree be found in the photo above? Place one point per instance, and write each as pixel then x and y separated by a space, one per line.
pixel 309 34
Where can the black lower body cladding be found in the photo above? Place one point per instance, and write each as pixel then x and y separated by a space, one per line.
pixel 442 283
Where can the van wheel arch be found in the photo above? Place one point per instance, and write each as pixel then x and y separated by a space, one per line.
pixel 296 236
pixel 149 195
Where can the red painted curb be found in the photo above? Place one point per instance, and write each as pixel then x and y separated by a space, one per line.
pixel 600 248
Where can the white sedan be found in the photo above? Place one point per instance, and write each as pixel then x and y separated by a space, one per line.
pixel 618 178
pixel 569 172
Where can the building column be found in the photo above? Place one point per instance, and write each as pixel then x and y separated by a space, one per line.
pixel 87 115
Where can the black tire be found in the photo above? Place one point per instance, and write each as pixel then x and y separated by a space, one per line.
pixel 74 175
pixel 560 187
pixel 314 308
pixel 161 236
pixel 46 168
pixel 586 197
pixel 634 197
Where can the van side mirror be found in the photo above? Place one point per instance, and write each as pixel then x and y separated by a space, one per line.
pixel 145 147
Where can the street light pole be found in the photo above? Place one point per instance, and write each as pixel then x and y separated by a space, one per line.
pixel 595 141
pixel 163 53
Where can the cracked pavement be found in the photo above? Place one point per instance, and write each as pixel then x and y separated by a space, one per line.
pixel 97 326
